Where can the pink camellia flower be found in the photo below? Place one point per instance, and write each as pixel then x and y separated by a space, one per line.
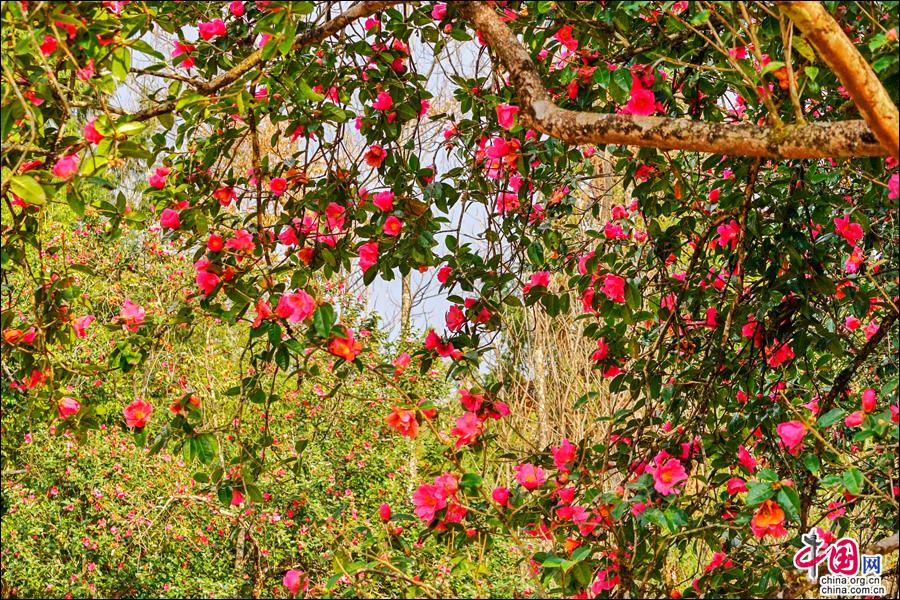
pixel 500 496
pixel 158 179
pixel 455 319
pixel 241 242
pixel 66 166
pixel 392 226
pixel 296 307
pixel 236 8
pixel 791 434
pixel 852 323
pixel 667 473
pixel 383 101
pixel 207 281
pixel 746 459
pixel 170 219
pixel 735 485
pixel 277 185
pixel 530 476
pixel 237 498
pixel 439 11
pixel 294 581
pixel 188 61
pixel 468 428
pixel 869 399
pixel 384 200
pixel 563 455
pixel 384 512
pixel 137 413
pixel 854 419
pixel 614 288
pixel 601 352
pixel 539 279
pixel 894 187
pixel 82 323
pixel 86 72
pixel 132 315
pixel 49 45
pixel 714 195
pixel 429 499
pixel 506 115
pixel 91 135
pixel 368 255
pixel 67 407
pixel 642 102
pixel 211 29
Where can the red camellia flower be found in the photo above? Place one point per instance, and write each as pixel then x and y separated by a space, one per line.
pixel 278 185
pixel 345 346
pixel 137 413
pixel 404 421
pixel 375 156
pixel 211 29
pixel 67 407
pixel 768 520
pixel 384 512
pixel 392 226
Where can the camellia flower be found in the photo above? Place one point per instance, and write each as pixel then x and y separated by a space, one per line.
pixel 735 485
pixel 468 428
pixel 296 307
pixel 563 455
pixel 91 134
pixel 439 11
pixel 602 350
pixel 66 166
pixel 375 155
pixel 137 413
pixel 506 115
pixel 404 421
pixel 241 242
pixel 384 512
pixel 225 195
pixel 392 226
pixel 236 8
pixel 67 407
pixel 854 419
pixel 383 101
pixel 500 496
pixel 184 49
pixel 768 520
pixel 294 580
pixel 132 315
pixel 641 102
pixel 158 179
pixel 614 288
pixel 667 473
pixel 539 279
pixel 211 29
pixel 170 219
pixel 429 499
pixel 746 459
pixel 49 45
pixel 368 255
pixel 384 200
pixel 791 433
pixel 851 232
pixel 345 347
pixel 869 399
pixel 81 324
pixel 278 185
pixel 530 476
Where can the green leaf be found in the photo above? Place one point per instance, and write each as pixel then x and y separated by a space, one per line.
pixel 323 320
pixel 470 480
pixel 29 190
pixel 789 500
pixel 759 492
pixel 853 481
pixel 830 418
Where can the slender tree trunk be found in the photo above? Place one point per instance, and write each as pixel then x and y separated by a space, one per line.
pixel 405 308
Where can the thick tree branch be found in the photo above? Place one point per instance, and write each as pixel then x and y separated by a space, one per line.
pixel 858 78
pixel 818 140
